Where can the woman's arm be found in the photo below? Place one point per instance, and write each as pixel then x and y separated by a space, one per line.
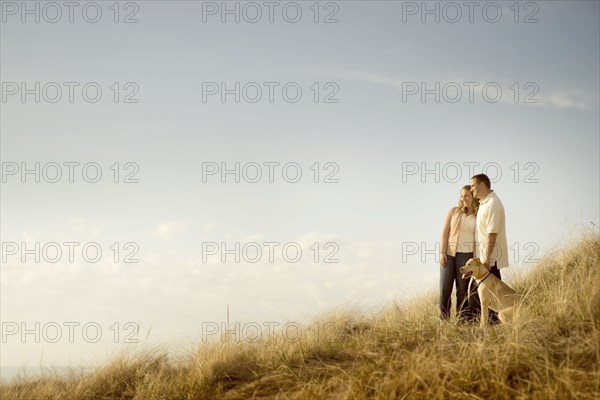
pixel 445 236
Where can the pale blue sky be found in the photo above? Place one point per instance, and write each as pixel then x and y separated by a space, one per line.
pixel 370 133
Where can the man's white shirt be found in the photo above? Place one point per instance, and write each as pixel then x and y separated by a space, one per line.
pixel 491 219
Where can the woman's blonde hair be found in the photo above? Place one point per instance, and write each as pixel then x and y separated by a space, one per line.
pixel 461 206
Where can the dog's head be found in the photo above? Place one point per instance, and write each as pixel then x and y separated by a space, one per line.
pixel 474 268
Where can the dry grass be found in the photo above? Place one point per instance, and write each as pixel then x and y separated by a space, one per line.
pixel 551 351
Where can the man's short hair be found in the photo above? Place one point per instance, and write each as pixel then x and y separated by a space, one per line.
pixel 483 178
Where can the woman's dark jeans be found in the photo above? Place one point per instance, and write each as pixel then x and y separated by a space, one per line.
pixel 449 275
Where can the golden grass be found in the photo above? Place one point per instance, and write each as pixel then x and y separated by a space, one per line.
pixel 551 351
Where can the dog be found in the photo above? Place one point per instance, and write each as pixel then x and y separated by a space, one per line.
pixel 493 293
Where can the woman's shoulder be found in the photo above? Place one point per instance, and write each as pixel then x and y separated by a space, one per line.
pixel 454 211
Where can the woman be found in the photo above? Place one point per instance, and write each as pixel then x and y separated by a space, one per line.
pixel 457 245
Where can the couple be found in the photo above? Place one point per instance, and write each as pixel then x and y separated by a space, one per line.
pixel 476 228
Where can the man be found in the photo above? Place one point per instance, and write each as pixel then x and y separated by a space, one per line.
pixel 490 235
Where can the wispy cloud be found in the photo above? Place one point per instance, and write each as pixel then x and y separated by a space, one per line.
pixel 80 225
pixel 564 101
pixel 166 230
pixel 560 100
pixel 358 75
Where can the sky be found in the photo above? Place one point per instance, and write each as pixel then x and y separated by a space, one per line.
pixel 326 140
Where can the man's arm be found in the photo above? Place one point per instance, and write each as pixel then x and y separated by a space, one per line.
pixel 490 248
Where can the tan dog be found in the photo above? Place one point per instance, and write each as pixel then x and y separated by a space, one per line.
pixel 493 293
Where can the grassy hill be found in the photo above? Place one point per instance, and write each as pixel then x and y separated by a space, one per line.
pixel 551 351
